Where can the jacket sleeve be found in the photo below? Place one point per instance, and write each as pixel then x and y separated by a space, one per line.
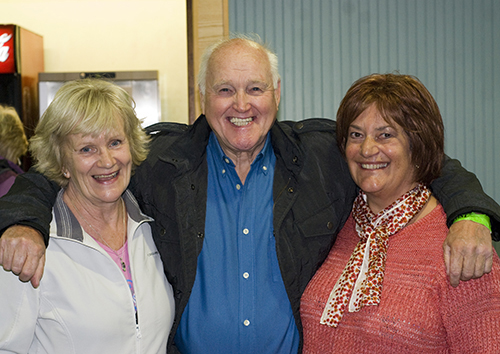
pixel 460 192
pixel 29 202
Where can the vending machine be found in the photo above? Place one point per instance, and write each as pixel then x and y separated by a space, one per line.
pixel 21 59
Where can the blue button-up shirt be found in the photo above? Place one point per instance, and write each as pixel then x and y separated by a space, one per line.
pixel 238 303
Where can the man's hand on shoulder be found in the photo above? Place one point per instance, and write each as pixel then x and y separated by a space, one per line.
pixel 22 251
pixel 468 251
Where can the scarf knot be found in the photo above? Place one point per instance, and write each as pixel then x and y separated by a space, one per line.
pixel 361 281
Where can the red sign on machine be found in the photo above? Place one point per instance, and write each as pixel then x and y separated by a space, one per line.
pixel 7 49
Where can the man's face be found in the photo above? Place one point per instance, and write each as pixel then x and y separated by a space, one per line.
pixel 240 102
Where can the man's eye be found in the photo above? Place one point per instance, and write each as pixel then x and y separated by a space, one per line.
pixel 224 91
pixel 255 90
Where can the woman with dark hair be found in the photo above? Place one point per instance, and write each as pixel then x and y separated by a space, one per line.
pixel 383 287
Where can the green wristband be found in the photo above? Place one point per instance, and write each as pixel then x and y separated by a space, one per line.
pixel 479 218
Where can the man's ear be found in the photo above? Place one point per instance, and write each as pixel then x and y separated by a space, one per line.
pixel 277 94
pixel 202 101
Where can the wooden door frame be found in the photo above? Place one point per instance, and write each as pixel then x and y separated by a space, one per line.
pixel 207 21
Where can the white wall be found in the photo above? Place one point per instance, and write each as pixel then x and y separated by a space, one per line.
pixel 112 35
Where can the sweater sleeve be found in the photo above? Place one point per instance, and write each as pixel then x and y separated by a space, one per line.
pixel 460 192
pixel 471 313
pixel 29 202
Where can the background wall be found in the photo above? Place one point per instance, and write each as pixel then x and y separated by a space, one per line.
pixel 112 35
pixel 452 46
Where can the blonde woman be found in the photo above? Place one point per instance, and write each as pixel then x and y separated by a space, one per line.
pixel 104 288
pixel 13 145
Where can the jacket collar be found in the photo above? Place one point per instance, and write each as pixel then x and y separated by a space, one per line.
pixel 189 150
pixel 285 145
pixel 68 227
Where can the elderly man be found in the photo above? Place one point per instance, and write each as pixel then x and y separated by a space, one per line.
pixel 245 209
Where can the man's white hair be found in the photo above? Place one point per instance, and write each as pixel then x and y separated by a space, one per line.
pixel 253 41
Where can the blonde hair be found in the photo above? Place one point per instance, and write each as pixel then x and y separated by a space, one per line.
pixel 88 107
pixel 13 142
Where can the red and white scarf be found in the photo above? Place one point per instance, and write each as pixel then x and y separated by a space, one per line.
pixel 361 281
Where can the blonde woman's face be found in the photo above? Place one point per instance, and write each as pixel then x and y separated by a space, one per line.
pixel 98 168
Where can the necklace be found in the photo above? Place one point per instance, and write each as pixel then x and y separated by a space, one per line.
pixel 124 267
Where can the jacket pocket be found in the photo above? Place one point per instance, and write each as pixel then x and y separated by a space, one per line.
pixel 322 222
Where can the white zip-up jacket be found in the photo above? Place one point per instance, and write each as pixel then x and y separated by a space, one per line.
pixel 84 304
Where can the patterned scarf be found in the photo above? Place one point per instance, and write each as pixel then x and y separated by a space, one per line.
pixel 361 281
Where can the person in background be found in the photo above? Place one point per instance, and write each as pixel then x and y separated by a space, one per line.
pixel 104 288
pixel 383 287
pixel 13 145
pixel 246 208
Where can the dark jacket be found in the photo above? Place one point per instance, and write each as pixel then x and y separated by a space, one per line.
pixel 312 192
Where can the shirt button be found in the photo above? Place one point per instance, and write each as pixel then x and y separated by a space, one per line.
pixel 227 160
pixel 246 275
pixel 246 323
pixel 264 168
pixel 245 231
pixel 238 187
pixel 223 171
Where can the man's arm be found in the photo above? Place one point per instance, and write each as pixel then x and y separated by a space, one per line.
pixel 29 202
pixel 467 250
pixel 22 251
pixel 28 209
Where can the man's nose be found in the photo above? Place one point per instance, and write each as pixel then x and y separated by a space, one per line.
pixel 241 101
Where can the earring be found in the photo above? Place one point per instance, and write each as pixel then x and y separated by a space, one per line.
pixel 417 166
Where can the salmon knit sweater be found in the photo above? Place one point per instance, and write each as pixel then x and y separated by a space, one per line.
pixel 419 311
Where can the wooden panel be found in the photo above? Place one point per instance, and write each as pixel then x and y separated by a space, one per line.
pixel 207 22
pixel 32 63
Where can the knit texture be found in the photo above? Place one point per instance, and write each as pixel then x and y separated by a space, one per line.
pixel 359 286
pixel 419 311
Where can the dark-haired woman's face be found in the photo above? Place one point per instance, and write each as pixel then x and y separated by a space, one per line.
pixel 379 158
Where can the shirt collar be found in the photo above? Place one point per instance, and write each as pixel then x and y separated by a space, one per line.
pixel 262 161
pixel 68 226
